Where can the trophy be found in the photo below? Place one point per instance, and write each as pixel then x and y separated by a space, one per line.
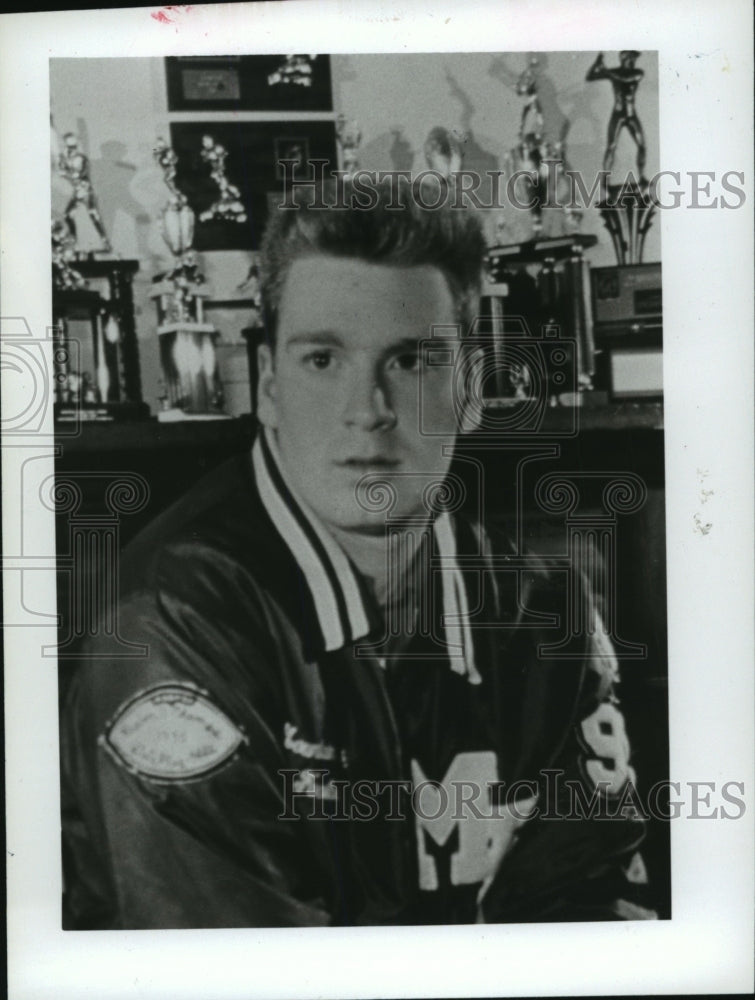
pixel 293 71
pixel 531 122
pixel 349 137
pixel 82 213
pixel 65 277
pixel 228 208
pixel 187 342
pixel 627 209
pixel 96 351
pixel 539 163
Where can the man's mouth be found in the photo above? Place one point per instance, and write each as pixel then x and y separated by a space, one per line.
pixel 375 463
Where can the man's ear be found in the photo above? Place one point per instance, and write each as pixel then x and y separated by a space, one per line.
pixel 267 412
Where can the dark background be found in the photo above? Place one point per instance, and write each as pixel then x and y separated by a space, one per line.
pixel 251 165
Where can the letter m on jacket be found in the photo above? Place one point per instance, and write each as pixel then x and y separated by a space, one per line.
pixel 461 834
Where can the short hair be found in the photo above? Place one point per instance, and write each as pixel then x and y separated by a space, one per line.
pixel 397 228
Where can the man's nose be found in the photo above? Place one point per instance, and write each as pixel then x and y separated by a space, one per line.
pixel 367 403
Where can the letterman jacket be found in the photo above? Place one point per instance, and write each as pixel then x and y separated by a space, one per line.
pixel 280 754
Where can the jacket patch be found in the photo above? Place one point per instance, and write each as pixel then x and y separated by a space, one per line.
pixel 172 732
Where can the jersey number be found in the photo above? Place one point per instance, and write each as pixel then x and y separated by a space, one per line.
pixel 604 736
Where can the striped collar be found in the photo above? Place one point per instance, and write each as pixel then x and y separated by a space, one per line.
pixel 332 580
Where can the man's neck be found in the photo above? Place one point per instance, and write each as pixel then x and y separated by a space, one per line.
pixel 382 559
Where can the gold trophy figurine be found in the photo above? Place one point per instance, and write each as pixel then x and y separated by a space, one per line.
pixel 65 277
pixel 177 217
pixel 625 80
pixel 349 137
pixel 82 211
pixel 295 71
pixel 167 159
pixel 627 209
pixel 537 165
pixel 228 207
pixel 531 122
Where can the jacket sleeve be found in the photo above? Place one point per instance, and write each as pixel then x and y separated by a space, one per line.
pixel 171 795
pixel 577 855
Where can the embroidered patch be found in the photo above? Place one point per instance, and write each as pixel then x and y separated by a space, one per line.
pixel 172 732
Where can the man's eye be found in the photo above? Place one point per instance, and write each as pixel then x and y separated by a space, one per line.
pixel 408 361
pixel 319 360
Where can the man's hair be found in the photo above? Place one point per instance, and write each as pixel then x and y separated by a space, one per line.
pixel 396 229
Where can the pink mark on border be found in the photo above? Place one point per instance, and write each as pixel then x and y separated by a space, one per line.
pixel 162 15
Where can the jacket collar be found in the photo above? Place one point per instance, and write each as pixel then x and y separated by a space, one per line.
pixel 333 582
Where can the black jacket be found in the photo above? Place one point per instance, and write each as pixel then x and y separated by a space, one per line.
pixel 280 757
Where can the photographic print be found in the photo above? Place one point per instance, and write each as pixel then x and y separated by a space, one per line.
pixel 356 484
pixel 545 700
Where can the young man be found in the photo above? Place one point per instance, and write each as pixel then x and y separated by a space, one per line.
pixel 345 715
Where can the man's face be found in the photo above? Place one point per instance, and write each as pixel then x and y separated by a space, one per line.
pixel 343 387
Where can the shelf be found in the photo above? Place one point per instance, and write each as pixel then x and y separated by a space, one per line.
pixel 536 251
pixel 240 303
pixel 150 435
pixel 624 416
pixel 628 415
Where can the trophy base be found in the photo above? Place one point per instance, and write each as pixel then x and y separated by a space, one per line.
pixel 174 415
pixel 101 412
pixel 627 211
